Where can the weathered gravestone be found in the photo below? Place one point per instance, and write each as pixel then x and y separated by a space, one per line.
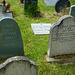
pixel 10 38
pixel 18 65
pixel 62 37
pixel 72 10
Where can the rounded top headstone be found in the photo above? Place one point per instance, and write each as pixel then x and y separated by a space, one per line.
pixel 10 38
pixel 62 37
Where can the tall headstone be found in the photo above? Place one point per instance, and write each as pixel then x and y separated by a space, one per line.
pixel 18 65
pixel 10 38
pixel 72 11
pixel 62 37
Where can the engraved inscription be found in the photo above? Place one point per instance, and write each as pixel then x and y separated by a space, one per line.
pixel 65 32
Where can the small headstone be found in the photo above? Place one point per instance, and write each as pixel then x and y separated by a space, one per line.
pixel 72 11
pixel 10 38
pixel 18 65
pixel 62 37
pixel 50 2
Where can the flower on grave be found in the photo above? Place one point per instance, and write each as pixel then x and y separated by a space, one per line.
pixel 26 41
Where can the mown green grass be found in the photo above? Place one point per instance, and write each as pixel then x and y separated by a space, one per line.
pixel 37 45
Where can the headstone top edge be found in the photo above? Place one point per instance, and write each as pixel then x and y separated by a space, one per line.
pixel 3 18
pixel 17 58
pixel 61 19
pixel 72 5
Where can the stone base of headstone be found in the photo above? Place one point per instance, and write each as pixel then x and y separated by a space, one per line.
pixel 21 3
pixel 6 14
pixel 63 61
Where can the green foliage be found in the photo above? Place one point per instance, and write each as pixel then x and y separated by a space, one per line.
pixel 72 2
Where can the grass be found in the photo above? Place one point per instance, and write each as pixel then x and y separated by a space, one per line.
pixel 37 45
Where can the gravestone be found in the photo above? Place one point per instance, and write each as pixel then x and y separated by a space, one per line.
pixel 62 37
pixel 50 2
pixel 10 38
pixel 18 65
pixel 61 4
pixel 27 2
pixel 72 11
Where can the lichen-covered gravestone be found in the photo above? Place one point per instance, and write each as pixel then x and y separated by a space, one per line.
pixel 62 37
pixel 10 38
pixel 72 10
pixel 18 65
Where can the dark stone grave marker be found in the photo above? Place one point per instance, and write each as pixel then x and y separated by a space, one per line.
pixel 61 4
pixel 10 38
pixel 33 2
pixel 72 10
